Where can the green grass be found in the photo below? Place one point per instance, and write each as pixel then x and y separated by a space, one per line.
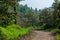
pixel 5 34
pixel 57 36
pixel 13 31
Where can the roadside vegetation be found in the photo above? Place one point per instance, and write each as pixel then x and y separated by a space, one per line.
pixel 12 31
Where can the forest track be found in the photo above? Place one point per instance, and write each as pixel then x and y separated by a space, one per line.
pixel 38 35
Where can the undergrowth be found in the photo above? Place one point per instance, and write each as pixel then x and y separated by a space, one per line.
pixel 12 31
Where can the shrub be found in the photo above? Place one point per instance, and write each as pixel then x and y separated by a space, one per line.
pixel 57 36
pixel 12 31
pixel 55 31
pixel 40 27
pixel 5 34
pixel 16 30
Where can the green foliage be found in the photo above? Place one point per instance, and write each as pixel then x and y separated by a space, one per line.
pixel 8 12
pixel 6 15
pixel 24 31
pixel 57 36
pixel 27 16
pixel 56 13
pixel 40 27
pixel 5 34
pixel 55 31
pixel 17 30
pixel 12 31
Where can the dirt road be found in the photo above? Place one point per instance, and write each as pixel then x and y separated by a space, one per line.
pixel 38 35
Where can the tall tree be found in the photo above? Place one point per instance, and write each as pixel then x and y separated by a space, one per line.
pixel 7 15
pixel 56 7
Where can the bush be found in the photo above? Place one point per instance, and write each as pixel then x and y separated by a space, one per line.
pixel 40 27
pixel 5 34
pixel 57 36
pixel 12 31
pixel 55 31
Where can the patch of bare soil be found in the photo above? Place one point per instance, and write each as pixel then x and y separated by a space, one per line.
pixel 37 35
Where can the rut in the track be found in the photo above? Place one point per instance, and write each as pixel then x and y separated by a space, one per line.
pixel 38 35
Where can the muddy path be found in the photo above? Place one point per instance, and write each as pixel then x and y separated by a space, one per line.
pixel 38 35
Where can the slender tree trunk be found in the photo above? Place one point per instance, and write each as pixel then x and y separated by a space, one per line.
pixel 15 14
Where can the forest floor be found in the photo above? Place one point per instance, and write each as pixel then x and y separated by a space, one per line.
pixel 38 35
